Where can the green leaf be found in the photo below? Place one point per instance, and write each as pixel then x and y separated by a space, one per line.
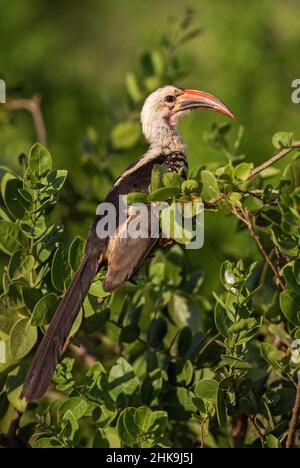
pixel 14 202
pixel 272 442
pixel 63 375
pixel 122 380
pixel 171 179
pixel 31 297
pixel 184 311
pixel 76 252
pixel 296 270
pixel 285 402
pixel 143 418
pixel 125 135
pixel 190 186
pixel 280 332
pixel 221 407
pixel 184 341
pixel 125 427
pixel 286 243
pixel 70 428
pixel 210 186
pixel 290 279
pixel 77 324
pixel 207 389
pixel 283 140
pixel 40 161
pixel 97 290
pixel 273 356
pixel 158 63
pixel 242 325
pixel 292 174
pixel 184 373
pixel 7 321
pixel 242 171
pixel 14 385
pixel 44 310
pixel 157 331
pixel 55 181
pixel 20 265
pixel 97 321
pixel 157 174
pixel 100 441
pixel 164 194
pixel 222 321
pixel 129 334
pixel 133 88
pixel 26 195
pixel 235 362
pixel 290 306
pixel 7 177
pixel 76 405
pixel 136 197
pixel 12 298
pixel 173 223
pixel 11 238
pixel 269 172
pixel 47 442
pixel 178 402
pixel 22 338
pixel 59 269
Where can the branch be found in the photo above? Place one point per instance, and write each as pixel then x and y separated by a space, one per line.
pixel 108 343
pixel 245 218
pixel 260 432
pixel 295 418
pixel 83 354
pixel 284 152
pixel 33 106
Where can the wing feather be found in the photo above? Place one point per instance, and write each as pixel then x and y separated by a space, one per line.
pixel 126 253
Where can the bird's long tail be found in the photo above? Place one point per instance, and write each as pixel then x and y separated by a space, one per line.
pixel 44 362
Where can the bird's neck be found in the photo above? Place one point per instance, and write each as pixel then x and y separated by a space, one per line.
pixel 165 135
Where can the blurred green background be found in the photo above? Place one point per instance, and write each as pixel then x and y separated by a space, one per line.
pixel 93 63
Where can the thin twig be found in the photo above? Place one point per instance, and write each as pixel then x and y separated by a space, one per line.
pixel 284 152
pixel 259 431
pixel 245 218
pixel 32 105
pixel 83 354
pixel 295 418
pixel 109 344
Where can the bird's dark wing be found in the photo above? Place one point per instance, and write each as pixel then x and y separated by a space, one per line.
pixel 125 253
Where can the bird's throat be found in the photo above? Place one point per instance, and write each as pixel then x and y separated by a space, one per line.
pixel 165 135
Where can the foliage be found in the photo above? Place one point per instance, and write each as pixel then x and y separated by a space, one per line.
pixel 181 358
pixel 200 350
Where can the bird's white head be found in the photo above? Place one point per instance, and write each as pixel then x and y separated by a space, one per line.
pixel 163 107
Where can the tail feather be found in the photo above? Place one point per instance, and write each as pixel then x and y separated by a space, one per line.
pixel 44 362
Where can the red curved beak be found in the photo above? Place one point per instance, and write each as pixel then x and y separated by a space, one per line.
pixel 193 99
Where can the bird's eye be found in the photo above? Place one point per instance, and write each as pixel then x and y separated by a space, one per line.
pixel 170 98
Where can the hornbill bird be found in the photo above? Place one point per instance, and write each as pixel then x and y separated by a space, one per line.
pixel 123 256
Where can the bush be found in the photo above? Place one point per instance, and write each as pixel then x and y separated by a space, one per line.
pixel 183 357
pixel 178 368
